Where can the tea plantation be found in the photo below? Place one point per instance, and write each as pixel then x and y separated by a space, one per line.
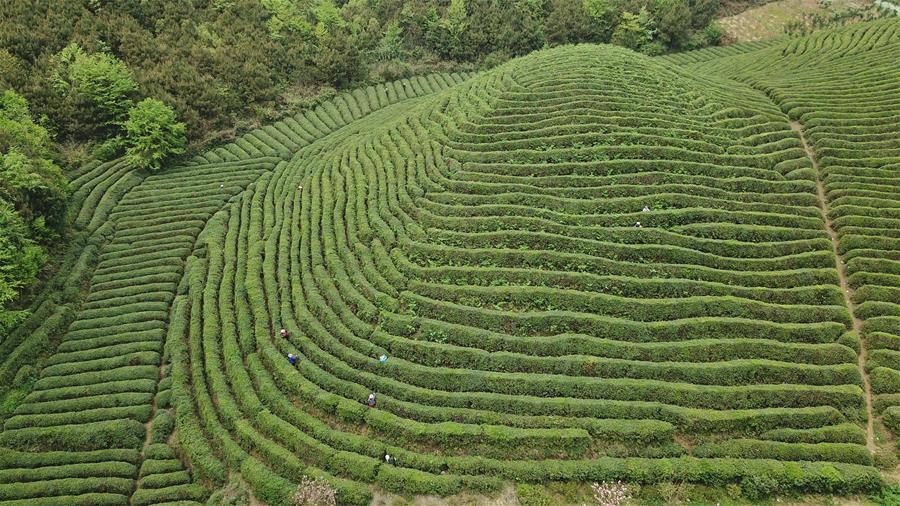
pixel 583 265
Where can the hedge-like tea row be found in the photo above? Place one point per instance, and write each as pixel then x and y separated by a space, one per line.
pixel 849 116
pixel 136 233
pixel 473 257
pixel 162 477
pixel 716 52
pixel 474 261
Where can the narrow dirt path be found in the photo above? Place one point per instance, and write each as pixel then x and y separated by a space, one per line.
pixel 148 426
pixel 845 286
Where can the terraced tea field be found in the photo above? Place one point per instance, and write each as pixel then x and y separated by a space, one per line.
pixel 584 265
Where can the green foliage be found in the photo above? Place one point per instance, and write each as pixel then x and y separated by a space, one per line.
pixel 533 495
pixel 634 30
pixel 217 61
pixel 703 12
pixel 32 202
pixel 479 235
pixel 448 35
pixel 109 149
pixel 286 16
pixel 328 16
pixel 20 260
pixel 568 23
pixel 524 327
pixel 12 72
pixel 76 437
pixel 714 34
pixel 887 496
pixel 163 424
pixel 603 14
pixel 152 134
pixel 510 27
pixel 673 19
pixel 98 87
pixel 29 178
pixel 338 60
pixel 891 419
pixel 391 45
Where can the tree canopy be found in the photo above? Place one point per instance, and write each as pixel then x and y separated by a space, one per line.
pixel 155 78
pixel 32 200
pixel 222 64
pixel 152 134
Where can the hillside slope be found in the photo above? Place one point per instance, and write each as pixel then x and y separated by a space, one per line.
pixel 842 88
pixel 473 258
pixel 485 242
pixel 78 437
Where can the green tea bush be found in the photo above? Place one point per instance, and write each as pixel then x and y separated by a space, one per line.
pixel 81 437
pixel 472 257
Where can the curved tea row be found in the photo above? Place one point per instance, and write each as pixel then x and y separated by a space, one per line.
pixel 79 436
pixel 475 262
pixel 583 265
pixel 843 89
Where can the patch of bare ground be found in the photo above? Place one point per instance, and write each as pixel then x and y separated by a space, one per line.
pixel 769 20
pixel 506 497
pixel 840 264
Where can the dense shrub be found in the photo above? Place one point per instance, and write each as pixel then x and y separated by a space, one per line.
pixel 82 437
pixel 152 134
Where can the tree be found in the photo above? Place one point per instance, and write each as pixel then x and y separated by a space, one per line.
pixel 703 12
pixel 29 180
pixel 673 17
pixel 414 20
pixel 568 23
pixel 20 260
pixel 510 27
pixel 604 14
pixel 98 87
pixel 12 72
pixel 634 31
pixel 338 60
pixel 448 35
pixel 390 47
pixel 328 16
pixel 285 17
pixel 152 134
pixel 32 196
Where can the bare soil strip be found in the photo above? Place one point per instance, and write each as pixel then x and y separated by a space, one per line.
pixel 148 428
pixel 845 286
